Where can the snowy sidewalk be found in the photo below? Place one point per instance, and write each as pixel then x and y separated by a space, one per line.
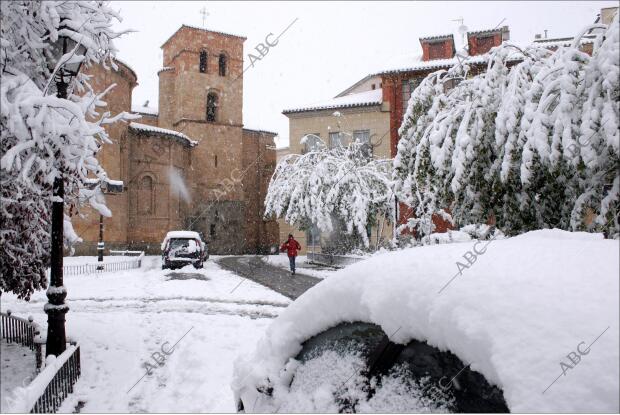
pixel 125 320
pixel 278 279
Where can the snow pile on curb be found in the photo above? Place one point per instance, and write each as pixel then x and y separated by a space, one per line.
pixel 24 398
pixel 514 313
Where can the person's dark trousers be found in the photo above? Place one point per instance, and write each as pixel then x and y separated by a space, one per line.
pixel 291 260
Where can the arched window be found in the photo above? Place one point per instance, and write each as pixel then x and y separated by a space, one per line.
pixel 145 196
pixel 211 107
pixel 203 61
pixel 222 64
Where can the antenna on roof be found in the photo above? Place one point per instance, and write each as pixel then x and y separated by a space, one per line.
pixel 462 28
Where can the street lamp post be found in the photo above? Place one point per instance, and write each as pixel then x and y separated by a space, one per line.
pixel 100 244
pixel 56 293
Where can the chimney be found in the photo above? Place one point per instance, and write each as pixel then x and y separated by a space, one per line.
pixel 505 33
pixel 437 47
pixel 482 41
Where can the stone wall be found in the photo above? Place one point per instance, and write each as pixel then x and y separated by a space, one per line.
pixel 259 161
pixel 111 157
pixel 155 206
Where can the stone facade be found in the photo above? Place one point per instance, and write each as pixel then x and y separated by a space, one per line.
pixel 201 97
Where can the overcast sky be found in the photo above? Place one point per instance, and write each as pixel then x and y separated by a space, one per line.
pixel 332 44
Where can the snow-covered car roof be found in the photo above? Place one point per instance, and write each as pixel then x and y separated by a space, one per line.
pixel 515 313
pixel 180 235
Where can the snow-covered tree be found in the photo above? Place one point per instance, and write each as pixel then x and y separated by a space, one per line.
pixel 530 143
pixel 326 187
pixel 43 136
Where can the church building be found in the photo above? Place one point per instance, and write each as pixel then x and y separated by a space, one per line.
pixel 190 164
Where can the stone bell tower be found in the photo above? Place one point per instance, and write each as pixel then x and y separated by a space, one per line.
pixel 201 95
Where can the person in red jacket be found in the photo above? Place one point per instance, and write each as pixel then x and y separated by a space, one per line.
pixel 291 247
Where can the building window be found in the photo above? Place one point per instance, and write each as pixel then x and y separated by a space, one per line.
pixel 312 142
pixel 363 137
pixel 212 230
pixel 211 107
pixel 145 196
pixel 215 160
pixel 203 61
pixel 222 64
pixel 372 86
pixel 435 50
pixel 408 86
pixel 335 140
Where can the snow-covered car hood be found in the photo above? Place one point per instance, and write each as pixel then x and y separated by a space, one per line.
pixel 515 315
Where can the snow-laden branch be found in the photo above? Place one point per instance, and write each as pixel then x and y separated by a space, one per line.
pixel 530 143
pixel 45 137
pixel 328 185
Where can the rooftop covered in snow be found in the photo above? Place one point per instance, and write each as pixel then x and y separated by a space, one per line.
pixel 414 62
pixel 258 130
pixel 362 99
pixel 145 109
pixel 149 129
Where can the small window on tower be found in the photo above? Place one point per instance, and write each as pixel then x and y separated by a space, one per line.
pixel 212 230
pixel 222 64
pixel 216 160
pixel 211 107
pixel 203 61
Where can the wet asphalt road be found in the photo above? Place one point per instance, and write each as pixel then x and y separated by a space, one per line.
pixel 278 279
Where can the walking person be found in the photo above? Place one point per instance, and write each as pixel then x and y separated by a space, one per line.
pixel 291 247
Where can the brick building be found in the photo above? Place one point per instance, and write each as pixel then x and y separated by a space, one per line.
pixel 190 163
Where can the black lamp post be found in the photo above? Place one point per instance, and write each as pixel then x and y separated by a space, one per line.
pixel 56 294
pixel 106 187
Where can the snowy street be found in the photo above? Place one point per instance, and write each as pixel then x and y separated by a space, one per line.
pixel 120 319
pixel 269 275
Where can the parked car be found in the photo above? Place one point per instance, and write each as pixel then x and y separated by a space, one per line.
pixel 427 330
pixel 181 248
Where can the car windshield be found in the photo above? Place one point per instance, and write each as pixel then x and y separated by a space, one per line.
pixel 353 367
pixel 188 245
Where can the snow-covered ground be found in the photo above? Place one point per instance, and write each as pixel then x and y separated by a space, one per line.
pixel 17 368
pixel 301 265
pixel 122 318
